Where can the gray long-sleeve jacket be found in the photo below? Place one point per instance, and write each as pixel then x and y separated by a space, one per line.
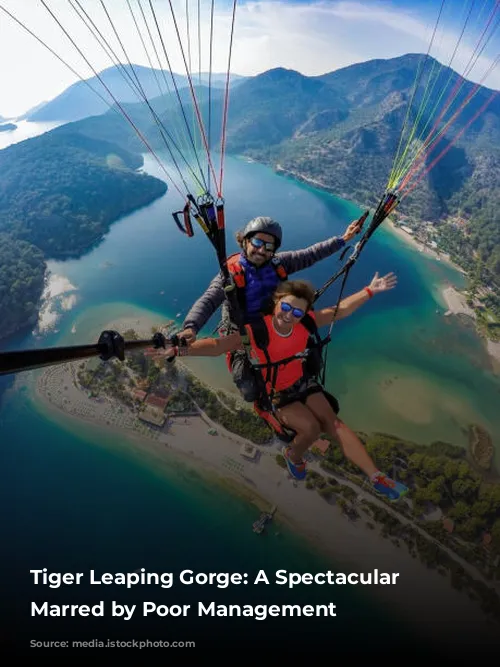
pixel 292 261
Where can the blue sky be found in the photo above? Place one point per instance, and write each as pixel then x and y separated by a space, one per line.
pixel 308 36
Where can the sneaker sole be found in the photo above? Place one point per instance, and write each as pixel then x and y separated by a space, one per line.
pixel 391 500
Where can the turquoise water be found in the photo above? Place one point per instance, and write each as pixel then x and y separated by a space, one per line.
pixel 78 501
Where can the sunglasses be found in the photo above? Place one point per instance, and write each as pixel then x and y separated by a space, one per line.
pixel 259 243
pixel 287 308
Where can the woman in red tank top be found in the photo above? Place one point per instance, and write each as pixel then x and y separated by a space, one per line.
pixel 300 402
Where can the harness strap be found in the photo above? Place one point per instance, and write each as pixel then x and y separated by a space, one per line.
pixel 236 270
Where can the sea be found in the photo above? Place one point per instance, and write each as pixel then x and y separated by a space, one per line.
pixel 75 500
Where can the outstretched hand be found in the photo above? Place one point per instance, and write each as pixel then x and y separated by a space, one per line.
pixel 383 284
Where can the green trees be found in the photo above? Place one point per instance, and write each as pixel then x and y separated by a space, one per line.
pixel 58 196
pixel 22 270
pixel 242 422
pixel 438 477
pixel 59 192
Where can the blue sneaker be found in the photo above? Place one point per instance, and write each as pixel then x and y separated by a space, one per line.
pixel 297 470
pixel 387 487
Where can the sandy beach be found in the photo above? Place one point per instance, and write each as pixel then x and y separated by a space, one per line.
pixel 493 348
pixel 352 545
pixel 414 243
pixel 457 303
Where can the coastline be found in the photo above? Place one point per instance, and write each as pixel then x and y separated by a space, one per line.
pixel 187 444
pixel 450 294
pixel 416 245
pixel 493 348
pixel 457 305
pixel 456 302
pixel 388 223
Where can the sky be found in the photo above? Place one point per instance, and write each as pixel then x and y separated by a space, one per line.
pixel 312 37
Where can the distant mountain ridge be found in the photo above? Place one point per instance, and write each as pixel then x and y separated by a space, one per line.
pixel 32 111
pixel 341 131
pixel 80 101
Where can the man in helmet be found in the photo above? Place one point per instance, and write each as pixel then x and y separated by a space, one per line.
pixel 256 272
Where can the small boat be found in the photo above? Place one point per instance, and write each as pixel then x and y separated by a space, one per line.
pixel 265 518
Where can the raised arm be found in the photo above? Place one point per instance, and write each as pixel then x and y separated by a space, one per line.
pixel 351 303
pixel 208 347
pixel 297 260
pixel 203 309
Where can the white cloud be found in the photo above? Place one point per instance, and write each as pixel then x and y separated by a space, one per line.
pixel 312 38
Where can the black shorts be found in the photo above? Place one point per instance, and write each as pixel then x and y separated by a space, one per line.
pixel 245 377
pixel 300 391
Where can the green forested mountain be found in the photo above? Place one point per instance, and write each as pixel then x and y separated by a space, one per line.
pixel 341 130
pixel 349 148
pixel 59 193
pixel 22 271
pixel 62 191
pixel 276 105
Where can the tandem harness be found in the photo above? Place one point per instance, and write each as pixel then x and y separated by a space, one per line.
pixel 312 358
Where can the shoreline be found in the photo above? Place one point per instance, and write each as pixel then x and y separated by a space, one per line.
pixel 420 247
pixel 492 347
pixel 262 482
pixel 456 303
pixel 400 233
pixel 454 299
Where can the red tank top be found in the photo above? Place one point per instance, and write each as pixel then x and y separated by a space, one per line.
pixel 282 347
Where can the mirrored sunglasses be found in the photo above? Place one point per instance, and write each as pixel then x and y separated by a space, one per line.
pixel 259 243
pixel 287 308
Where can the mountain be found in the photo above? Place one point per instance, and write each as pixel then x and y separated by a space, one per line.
pixel 27 114
pixel 341 131
pixel 61 192
pixel 274 105
pixel 80 99
pixel 344 136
